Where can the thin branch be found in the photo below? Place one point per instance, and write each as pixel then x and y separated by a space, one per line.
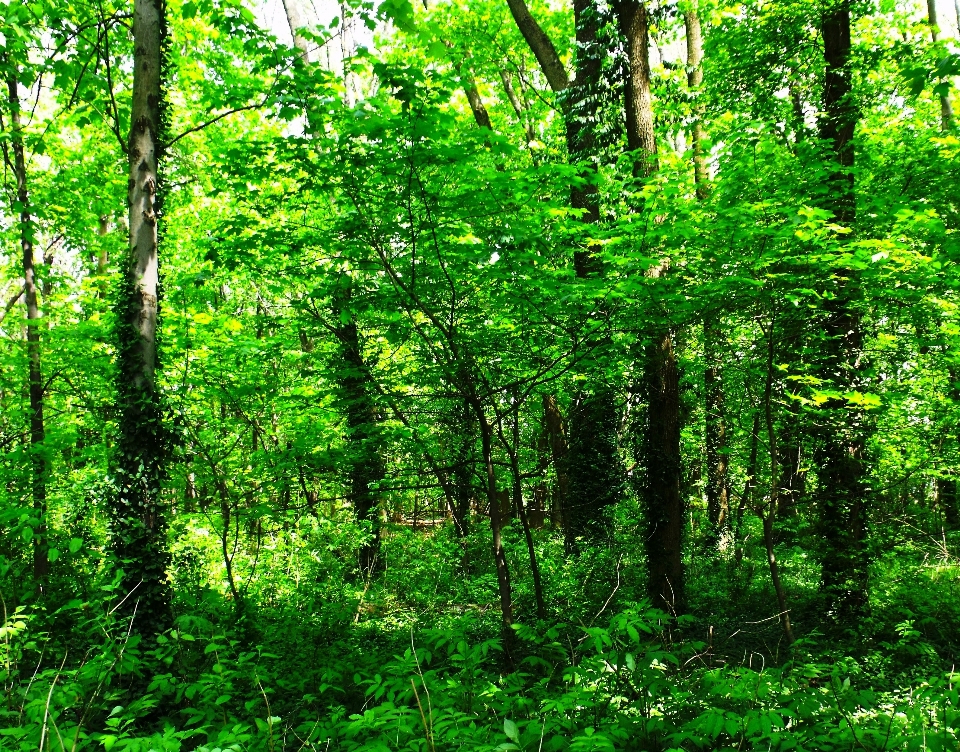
pixel 219 117
pixel 11 303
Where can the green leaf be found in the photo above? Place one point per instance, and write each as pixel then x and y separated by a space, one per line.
pixel 511 730
pixel 75 545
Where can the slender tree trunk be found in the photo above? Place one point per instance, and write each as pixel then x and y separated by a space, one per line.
pixel 769 517
pixel 522 514
pixel 358 400
pixel 691 22
pixel 540 45
pixel 718 492
pixel 661 377
pixel 748 488
pixel 463 464
pixel 557 437
pixel 946 111
pixel 842 431
pixel 947 498
pixel 34 373
pixel 715 429
pixel 297 21
pixel 139 529
pixel 496 523
pixel 518 106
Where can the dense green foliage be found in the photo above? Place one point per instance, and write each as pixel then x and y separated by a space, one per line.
pixel 408 449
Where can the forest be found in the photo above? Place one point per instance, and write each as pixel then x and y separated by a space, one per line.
pixel 442 375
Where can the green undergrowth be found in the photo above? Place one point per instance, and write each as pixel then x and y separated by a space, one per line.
pixel 416 659
pixel 628 683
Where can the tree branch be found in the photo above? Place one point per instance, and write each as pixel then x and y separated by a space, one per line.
pixel 540 45
pixel 219 117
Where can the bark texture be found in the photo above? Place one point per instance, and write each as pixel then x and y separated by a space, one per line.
pixel 139 524
pixel 661 459
pixel 842 431
pixel 297 21
pixel 694 34
pixel 641 141
pixel 541 45
pixel 946 110
pixel 358 400
pixel 38 462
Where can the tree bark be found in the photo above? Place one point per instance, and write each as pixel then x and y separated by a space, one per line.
pixel 504 586
pixel 769 517
pixel 366 464
pixel 946 111
pixel 593 468
pixel 557 439
pixel 595 472
pixel 513 451
pixel 661 457
pixel 715 429
pixel 518 107
pixel 641 141
pixel 842 431
pixel 297 21
pixel 139 526
pixel 661 377
pixel 540 45
pixel 34 374
pixel 694 33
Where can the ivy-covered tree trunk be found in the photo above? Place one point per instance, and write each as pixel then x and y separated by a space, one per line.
pixel 592 471
pixel 660 446
pixel 361 410
pixel 38 463
pixel 138 524
pixel 842 431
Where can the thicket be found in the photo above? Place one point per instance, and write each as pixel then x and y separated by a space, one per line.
pixel 516 376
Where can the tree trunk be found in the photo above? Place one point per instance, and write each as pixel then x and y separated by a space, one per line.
pixel 366 465
pixel 946 111
pixel 641 141
pixel 34 373
pixel 557 437
pixel 297 21
pixel 540 45
pixel 842 431
pixel 715 429
pixel 463 463
pixel 661 376
pixel 139 527
pixel 661 456
pixel 594 470
pixel 769 517
pixel 499 555
pixel 718 492
pixel 514 453
pixel 691 22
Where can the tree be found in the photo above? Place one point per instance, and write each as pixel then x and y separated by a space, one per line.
pixel 139 525
pixel 842 431
pixel 34 372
